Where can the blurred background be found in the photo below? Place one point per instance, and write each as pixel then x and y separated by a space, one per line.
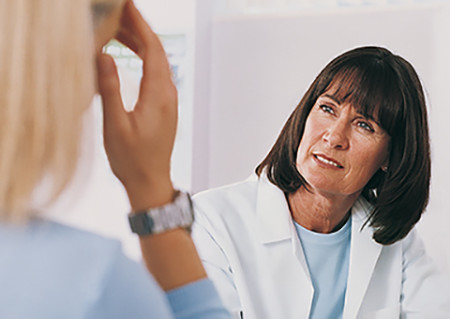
pixel 241 66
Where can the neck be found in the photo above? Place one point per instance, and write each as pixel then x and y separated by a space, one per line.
pixel 319 212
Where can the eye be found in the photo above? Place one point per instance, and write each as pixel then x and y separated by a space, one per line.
pixel 366 126
pixel 326 108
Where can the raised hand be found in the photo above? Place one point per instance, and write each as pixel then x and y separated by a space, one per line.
pixel 139 143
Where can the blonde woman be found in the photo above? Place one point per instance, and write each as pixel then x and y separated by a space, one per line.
pixel 47 80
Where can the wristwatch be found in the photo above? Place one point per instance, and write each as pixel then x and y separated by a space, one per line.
pixel 177 214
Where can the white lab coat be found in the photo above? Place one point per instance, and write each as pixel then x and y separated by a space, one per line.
pixel 247 240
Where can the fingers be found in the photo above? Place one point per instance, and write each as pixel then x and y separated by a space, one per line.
pixel 129 40
pixel 136 34
pixel 109 89
pixel 139 143
pixel 133 29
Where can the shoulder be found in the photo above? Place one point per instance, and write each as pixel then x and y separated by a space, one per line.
pixel 95 249
pixel 254 208
pixel 50 237
pixel 242 190
pixel 114 285
pixel 362 209
pixel 58 250
pixel 230 198
pixel 425 287
pixel 409 252
pixel 412 242
pixel 226 211
pixel 70 266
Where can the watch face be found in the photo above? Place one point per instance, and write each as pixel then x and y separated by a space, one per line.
pixel 141 223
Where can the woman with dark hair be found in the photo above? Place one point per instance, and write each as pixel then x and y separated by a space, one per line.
pixel 324 229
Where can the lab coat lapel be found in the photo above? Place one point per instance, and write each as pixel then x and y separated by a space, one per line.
pixel 276 225
pixel 275 221
pixel 273 213
pixel 364 253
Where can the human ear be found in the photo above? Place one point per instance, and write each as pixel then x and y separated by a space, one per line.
pixel 385 166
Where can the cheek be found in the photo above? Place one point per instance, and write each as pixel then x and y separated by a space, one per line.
pixel 371 157
pixel 311 135
pixel 305 145
pixel 382 154
pixel 310 142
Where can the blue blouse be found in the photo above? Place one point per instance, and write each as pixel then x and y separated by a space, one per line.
pixel 48 270
pixel 327 256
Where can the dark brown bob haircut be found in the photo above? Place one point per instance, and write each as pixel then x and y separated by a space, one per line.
pixel 385 87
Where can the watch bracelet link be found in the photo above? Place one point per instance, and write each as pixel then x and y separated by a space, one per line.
pixel 177 214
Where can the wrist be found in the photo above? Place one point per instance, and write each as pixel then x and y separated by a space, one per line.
pixel 150 194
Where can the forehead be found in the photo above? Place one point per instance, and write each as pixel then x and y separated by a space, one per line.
pixel 350 89
pixel 343 103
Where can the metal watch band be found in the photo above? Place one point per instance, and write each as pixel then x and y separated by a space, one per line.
pixel 178 213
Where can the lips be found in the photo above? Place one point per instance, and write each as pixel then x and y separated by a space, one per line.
pixel 327 160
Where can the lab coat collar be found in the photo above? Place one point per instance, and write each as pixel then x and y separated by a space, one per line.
pixel 275 224
pixel 364 254
pixel 273 212
pixel 275 220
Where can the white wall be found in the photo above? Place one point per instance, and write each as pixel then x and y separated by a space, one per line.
pixel 177 17
pixel 434 225
pixel 260 65
pixel 168 15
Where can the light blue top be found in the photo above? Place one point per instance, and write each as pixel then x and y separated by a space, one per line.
pixel 52 271
pixel 327 256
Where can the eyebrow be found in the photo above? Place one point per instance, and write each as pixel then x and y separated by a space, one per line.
pixel 333 97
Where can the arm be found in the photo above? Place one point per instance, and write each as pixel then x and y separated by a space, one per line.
pixel 426 291
pixel 139 146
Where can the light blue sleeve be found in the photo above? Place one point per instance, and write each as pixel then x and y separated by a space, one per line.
pixel 130 292
pixel 198 300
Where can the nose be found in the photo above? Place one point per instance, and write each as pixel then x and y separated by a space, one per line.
pixel 336 135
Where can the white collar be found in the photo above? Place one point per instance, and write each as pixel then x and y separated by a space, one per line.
pixel 275 224
pixel 275 219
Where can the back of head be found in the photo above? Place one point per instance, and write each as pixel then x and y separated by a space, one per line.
pixel 46 82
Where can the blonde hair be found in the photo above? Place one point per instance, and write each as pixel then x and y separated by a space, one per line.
pixel 46 82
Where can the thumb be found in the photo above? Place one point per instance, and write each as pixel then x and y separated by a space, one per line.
pixel 109 89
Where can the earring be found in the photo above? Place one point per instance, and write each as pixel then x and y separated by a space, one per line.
pixel 384 168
